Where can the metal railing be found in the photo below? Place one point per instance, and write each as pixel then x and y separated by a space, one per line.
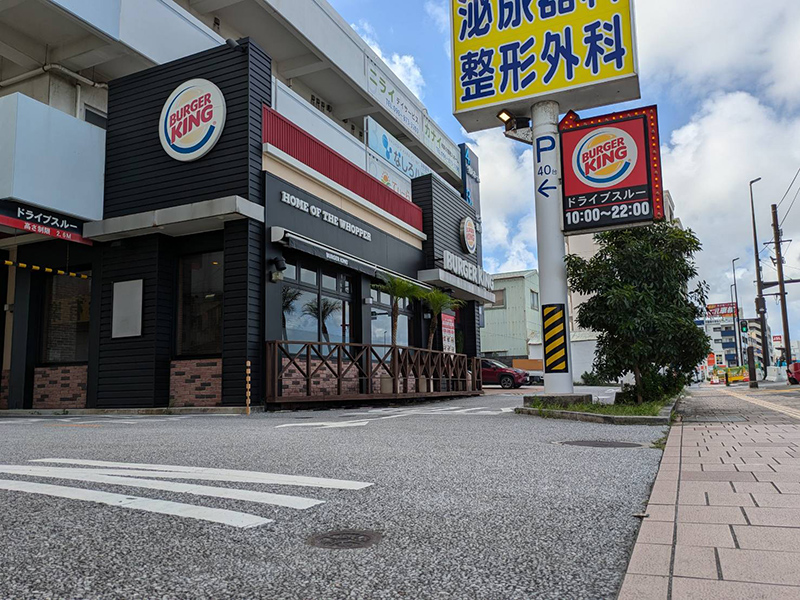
pixel 323 371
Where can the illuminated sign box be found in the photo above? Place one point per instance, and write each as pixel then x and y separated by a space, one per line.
pixel 611 169
pixel 511 54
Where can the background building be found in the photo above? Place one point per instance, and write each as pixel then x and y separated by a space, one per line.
pixel 514 319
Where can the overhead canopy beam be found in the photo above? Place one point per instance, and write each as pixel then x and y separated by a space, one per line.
pixel 358 109
pixel 6 4
pixel 20 49
pixel 85 52
pixel 301 65
pixel 208 6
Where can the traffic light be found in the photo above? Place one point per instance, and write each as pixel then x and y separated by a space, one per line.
pixel 744 326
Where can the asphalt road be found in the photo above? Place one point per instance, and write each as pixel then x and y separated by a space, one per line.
pixel 479 504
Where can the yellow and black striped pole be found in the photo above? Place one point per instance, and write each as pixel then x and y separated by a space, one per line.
pixel 554 326
pixel 48 270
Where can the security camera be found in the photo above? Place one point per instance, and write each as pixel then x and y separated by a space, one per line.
pixel 280 263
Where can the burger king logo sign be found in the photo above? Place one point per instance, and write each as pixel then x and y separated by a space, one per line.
pixel 469 235
pixel 605 157
pixel 192 120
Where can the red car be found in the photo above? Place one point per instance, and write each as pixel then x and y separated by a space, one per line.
pixel 793 373
pixel 495 372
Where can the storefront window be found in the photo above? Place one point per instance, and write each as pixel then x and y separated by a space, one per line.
pixel 200 283
pixel 382 320
pixel 317 307
pixel 300 312
pixel 65 322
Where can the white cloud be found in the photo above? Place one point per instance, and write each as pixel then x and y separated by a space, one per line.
pixel 403 65
pixel 507 206
pixel 437 11
pixel 708 163
pixel 721 44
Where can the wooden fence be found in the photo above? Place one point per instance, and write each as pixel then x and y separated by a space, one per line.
pixel 323 372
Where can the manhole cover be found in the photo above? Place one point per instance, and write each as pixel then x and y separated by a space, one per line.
pixel 345 540
pixel 602 444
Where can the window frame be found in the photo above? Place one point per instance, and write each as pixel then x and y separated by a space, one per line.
pixel 322 270
pixel 177 355
pixel 40 351
pixel 407 311
pixel 494 306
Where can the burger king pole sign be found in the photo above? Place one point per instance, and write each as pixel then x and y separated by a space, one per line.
pixel 192 120
pixel 612 171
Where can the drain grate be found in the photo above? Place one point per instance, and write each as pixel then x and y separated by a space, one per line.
pixel 347 539
pixel 603 444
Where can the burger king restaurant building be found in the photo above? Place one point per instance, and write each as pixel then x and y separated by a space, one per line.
pixel 237 255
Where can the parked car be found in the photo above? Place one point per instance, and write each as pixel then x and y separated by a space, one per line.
pixel 793 373
pixel 495 372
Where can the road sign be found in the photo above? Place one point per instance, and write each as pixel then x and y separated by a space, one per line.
pixel 510 54
pixel 612 170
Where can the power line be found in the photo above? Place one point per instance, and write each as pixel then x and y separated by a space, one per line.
pixel 789 189
pixel 791 206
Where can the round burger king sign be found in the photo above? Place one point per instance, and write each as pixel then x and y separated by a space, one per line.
pixel 469 235
pixel 605 157
pixel 192 120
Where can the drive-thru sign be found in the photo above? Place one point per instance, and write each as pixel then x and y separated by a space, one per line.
pixel 612 170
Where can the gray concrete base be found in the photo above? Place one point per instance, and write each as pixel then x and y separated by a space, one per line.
pixel 79 412
pixel 558 400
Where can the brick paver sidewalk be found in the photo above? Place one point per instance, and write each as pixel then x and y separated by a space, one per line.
pixel 724 513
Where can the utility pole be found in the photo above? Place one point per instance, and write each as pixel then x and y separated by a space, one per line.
pixel 787 342
pixel 736 327
pixel 761 305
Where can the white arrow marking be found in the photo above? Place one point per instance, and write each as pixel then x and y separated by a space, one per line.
pixel 165 507
pixel 167 486
pixel 207 474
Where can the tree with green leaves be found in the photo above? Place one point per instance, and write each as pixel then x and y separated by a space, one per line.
pixel 322 311
pixel 398 289
pixel 438 302
pixel 641 305
pixel 289 296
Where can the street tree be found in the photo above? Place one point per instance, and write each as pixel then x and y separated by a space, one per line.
pixel 641 304
pixel 438 302
pixel 398 289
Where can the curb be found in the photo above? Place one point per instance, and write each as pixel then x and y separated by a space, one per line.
pixel 189 410
pixel 664 416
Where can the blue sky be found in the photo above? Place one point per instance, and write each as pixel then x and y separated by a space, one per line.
pixel 727 85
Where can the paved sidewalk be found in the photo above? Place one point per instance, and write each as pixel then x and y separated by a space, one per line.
pixel 731 475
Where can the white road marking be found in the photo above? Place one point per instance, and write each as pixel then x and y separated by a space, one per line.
pixel 167 486
pixel 327 424
pixel 468 410
pixel 207 474
pixel 165 507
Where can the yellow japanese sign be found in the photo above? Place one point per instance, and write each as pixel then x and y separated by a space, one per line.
pixel 508 54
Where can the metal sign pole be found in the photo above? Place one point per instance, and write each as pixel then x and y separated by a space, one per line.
pixel 558 377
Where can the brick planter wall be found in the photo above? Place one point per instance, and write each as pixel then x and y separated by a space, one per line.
pixel 196 383
pixel 324 383
pixel 59 387
pixel 4 390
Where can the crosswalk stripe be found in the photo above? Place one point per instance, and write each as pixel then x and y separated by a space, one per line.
pixel 167 486
pixel 165 507
pixel 208 474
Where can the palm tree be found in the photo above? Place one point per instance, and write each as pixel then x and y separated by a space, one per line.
pixel 289 296
pixel 322 311
pixel 398 288
pixel 438 302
